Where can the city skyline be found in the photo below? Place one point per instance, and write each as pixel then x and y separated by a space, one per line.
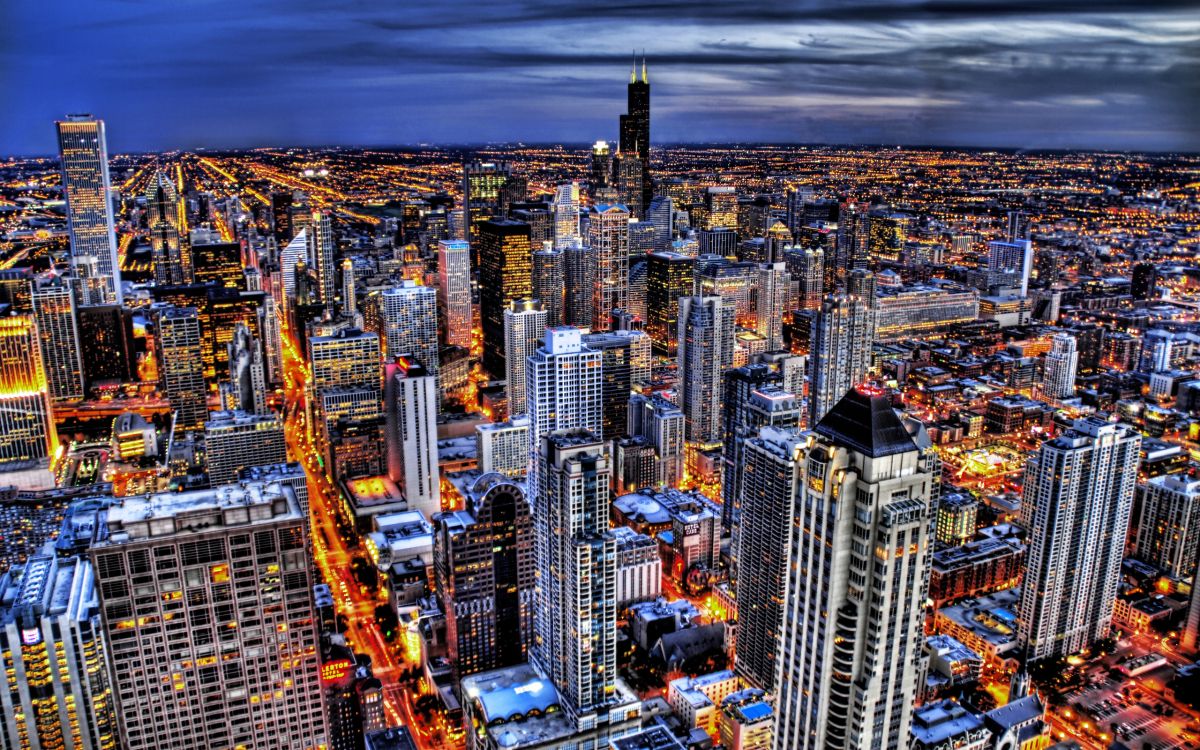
pixel 1113 75
pixel 738 447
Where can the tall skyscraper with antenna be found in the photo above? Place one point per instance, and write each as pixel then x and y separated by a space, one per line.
pixel 84 152
pixel 635 126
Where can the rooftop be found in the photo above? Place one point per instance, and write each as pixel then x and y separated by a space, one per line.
pixel 866 422
pixel 168 513
pixel 937 722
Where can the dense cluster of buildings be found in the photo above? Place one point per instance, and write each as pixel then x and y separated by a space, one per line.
pixel 527 449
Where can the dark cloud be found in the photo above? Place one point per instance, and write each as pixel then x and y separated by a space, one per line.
pixel 1106 73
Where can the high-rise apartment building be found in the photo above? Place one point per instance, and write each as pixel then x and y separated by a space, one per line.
pixel 576 619
pixel 1058 381
pixel 235 441
pixel 841 351
pixel 208 619
pixel 807 266
pixel 411 417
pixel 505 275
pixel 564 389
pixel 166 218
pixel 625 363
pixel 771 301
pixel 706 336
pixel 524 329
pixel 579 264
pixel 566 214
pixel 762 405
pixel 550 283
pixel 669 277
pixel 454 291
pixel 83 149
pixel 320 254
pixel 608 237
pixel 503 447
pixel 411 323
pixel 1009 262
pixel 53 302
pixel 1078 496
pixel 485 570
pixel 181 366
pixel 771 475
pixel 56 689
pixel 851 661
pixel 1168 529
pixel 662 424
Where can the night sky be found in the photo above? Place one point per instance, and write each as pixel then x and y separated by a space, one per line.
pixel 218 73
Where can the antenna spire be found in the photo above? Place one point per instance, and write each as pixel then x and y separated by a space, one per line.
pixel 633 69
pixel 644 78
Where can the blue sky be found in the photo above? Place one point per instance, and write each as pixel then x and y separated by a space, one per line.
pixel 217 73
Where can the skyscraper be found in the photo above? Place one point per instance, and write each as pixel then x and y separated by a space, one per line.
pixel 84 151
pixel 635 129
pixel 807 268
pixel 235 441
pixel 566 214
pixel 1078 495
pixel 850 653
pixel 181 366
pixel 1058 383
pixel 743 416
pixel 579 263
pixel 410 323
pixel 191 584
pixel 841 351
pixel 624 364
pixel 772 479
pixel 247 371
pixel 53 302
pixel 601 170
pixel 411 417
pixel 564 389
pixel 291 255
pixel 1009 263
pixel 454 291
pixel 669 277
pixel 1168 530
pixel 167 220
pixel 482 184
pixel 349 293
pixel 661 215
pixel 576 619
pixel 706 336
pixel 320 253
pixel 771 298
pixel 662 424
pixel 56 689
pixel 524 329
pixel 608 237
pixel 549 283
pixel 486 574
pixel 720 203
pixel 505 275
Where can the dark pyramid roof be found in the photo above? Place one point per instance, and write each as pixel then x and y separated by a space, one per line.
pixel 864 421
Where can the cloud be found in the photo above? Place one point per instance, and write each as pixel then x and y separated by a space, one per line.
pixel 1111 73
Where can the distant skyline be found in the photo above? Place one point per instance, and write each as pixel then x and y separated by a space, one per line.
pixel 1106 74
